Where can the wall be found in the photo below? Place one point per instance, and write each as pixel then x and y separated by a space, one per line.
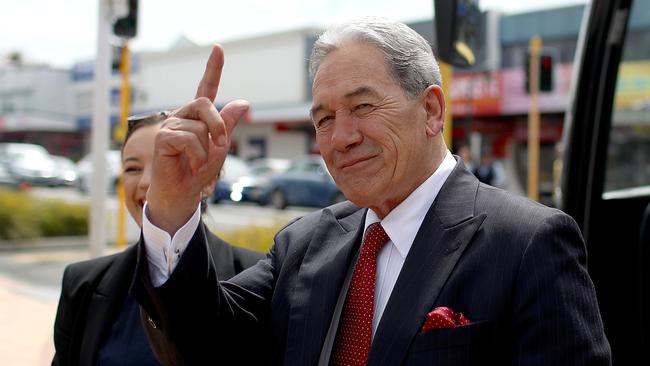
pixel 265 71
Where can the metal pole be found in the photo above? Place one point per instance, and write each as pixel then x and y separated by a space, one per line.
pixel 99 134
pixel 447 73
pixel 534 120
pixel 120 240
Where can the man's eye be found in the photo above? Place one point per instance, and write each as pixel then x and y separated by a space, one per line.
pixel 323 121
pixel 363 107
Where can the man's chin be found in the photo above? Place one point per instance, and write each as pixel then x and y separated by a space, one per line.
pixel 359 197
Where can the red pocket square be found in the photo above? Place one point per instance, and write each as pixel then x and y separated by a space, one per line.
pixel 443 317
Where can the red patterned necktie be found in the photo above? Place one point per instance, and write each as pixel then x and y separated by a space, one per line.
pixel 354 334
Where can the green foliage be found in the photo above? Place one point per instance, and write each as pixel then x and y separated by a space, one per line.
pixel 62 219
pixel 16 218
pixel 26 217
pixel 258 238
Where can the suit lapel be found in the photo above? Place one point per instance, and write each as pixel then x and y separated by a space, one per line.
pixel 105 303
pixel 445 233
pixel 318 285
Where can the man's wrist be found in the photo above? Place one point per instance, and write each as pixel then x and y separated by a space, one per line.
pixel 170 218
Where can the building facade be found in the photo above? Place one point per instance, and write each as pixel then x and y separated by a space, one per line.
pixel 489 101
pixel 35 106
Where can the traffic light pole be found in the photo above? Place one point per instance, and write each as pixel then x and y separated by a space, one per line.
pixel 120 240
pixel 99 134
pixel 447 72
pixel 534 119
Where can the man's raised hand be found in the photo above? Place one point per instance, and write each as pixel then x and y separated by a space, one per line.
pixel 190 149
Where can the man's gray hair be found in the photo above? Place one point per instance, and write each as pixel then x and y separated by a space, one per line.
pixel 407 54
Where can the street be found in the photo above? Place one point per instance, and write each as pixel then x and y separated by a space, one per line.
pixel 220 217
pixel 30 277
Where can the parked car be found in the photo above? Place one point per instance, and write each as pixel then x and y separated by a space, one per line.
pixel 306 183
pixel 29 163
pixel 113 170
pixel 248 188
pixel 268 166
pixel 233 169
pixel 6 178
pixel 66 171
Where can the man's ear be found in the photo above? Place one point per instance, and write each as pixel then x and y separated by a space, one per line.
pixel 434 104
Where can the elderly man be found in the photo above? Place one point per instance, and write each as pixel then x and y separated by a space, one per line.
pixel 424 265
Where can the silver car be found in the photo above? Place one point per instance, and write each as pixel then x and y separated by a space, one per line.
pixel 29 163
pixel 113 170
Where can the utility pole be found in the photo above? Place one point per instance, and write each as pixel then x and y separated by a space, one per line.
pixel 534 119
pixel 99 133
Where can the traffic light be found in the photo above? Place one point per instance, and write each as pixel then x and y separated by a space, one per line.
pixel 545 73
pixel 127 26
pixel 458 28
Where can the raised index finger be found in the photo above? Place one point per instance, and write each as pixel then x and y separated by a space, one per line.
pixel 209 84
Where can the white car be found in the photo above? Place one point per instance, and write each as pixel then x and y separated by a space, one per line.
pixel 29 163
pixel 66 171
pixel 113 171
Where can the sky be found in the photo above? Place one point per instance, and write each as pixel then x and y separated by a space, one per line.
pixel 61 33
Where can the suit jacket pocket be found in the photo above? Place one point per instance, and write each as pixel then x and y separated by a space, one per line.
pixel 474 333
pixel 464 345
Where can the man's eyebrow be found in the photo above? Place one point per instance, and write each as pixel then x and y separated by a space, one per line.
pixel 360 91
pixel 314 110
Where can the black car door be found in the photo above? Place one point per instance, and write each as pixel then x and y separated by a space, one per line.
pixel 606 176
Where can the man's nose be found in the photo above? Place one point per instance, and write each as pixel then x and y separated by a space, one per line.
pixel 346 132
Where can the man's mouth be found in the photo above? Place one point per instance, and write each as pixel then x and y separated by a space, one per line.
pixel 352 162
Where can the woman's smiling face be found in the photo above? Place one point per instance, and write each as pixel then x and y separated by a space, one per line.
pixel 137 159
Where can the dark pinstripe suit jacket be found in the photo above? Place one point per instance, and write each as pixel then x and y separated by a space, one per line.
pixel 515 268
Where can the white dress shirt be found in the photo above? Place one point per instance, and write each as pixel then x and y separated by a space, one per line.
pixel 164 251
pixel 401 225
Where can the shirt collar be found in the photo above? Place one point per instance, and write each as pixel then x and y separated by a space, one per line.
pixel 403 222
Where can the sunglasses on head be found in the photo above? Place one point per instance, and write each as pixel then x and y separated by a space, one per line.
pixel 138 119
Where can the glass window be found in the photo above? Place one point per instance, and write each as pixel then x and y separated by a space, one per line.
pixel 628 155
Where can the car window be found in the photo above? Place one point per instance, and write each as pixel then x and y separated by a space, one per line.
pixel 233 168
pixel 628 155
pixel 297 166
pixel 314 167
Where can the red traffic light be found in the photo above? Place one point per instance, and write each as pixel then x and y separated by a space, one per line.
pixel 546 73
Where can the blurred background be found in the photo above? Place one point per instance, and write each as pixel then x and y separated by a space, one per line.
pixel 47 87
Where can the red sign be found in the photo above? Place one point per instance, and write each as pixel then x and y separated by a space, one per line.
pixel 495 93
pixel 476 94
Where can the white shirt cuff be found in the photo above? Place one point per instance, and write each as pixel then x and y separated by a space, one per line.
pixel 163 251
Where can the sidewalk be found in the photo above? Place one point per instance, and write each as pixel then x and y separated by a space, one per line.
pixel 27 323
pixel 30 281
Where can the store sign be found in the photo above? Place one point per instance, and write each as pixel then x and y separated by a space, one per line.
pixel 633 86
pixel 476 94
pixel 502 93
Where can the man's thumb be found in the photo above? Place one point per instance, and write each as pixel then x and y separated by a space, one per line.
pixel 233 112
